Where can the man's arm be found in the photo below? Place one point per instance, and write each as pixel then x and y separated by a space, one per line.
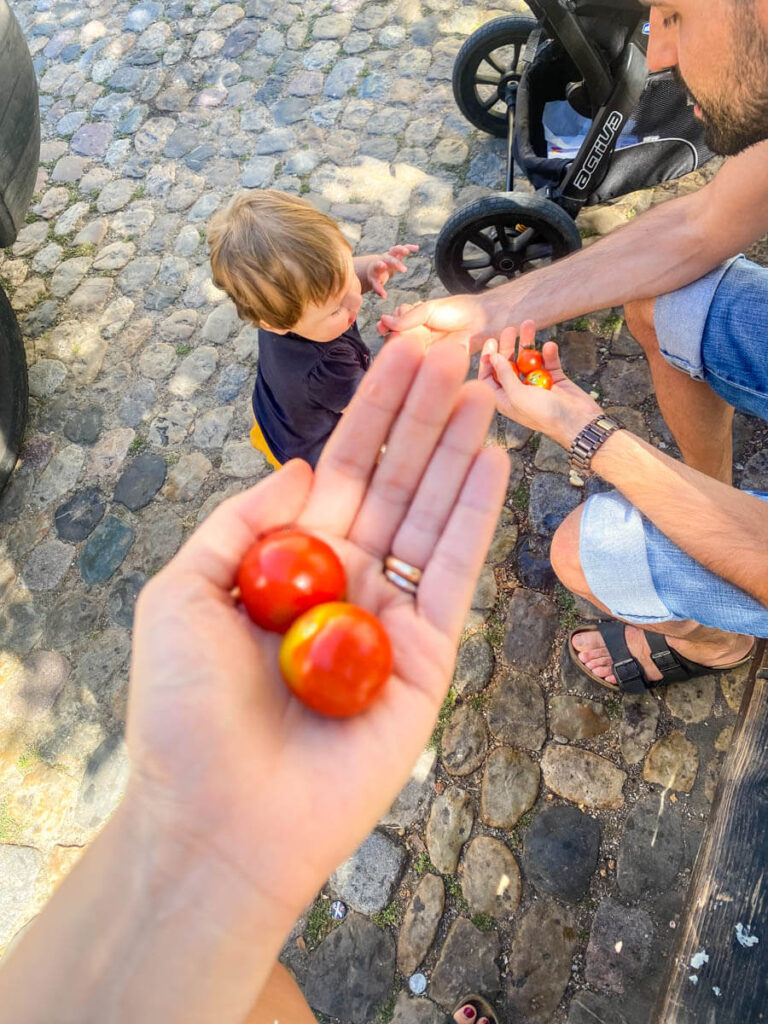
pixel 659 251
pixel 722 528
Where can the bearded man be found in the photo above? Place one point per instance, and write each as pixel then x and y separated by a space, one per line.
pixel 675 550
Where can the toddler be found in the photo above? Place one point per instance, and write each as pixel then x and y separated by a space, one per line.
pixel 290 272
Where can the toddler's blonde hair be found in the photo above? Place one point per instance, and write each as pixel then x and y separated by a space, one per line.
pixel 273 254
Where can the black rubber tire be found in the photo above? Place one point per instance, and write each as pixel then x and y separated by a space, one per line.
pixel 501 32
pixel 14 392
pixel 19 127
pixel 484 223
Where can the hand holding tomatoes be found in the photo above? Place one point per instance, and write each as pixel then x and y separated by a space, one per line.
pixel 559 410
pixel 219 745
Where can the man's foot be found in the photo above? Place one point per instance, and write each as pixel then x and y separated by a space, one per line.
pixel 593 653
pixel 468 1015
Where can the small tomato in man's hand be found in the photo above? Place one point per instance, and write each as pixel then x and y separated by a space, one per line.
pixel 285 574
pixel 336 659
pixel 529 360
pixel 540 379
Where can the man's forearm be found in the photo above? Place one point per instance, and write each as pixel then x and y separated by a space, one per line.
pixel 144 929
pixel 658 252
pixel 722 528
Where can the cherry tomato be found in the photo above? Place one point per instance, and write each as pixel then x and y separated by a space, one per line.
pixel 540 379
pixel 336 658
pixel 285 574
pixel 528 360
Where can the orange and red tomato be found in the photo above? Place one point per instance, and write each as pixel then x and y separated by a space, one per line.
pixel 336 659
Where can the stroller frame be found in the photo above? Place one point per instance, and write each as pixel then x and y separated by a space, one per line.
pixel 609 98
pixel 592 55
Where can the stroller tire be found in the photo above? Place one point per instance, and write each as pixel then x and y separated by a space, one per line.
pixel 13 389
pixel 502 237
pixel 477 74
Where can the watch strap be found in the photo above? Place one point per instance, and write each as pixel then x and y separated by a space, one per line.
pixel 587 442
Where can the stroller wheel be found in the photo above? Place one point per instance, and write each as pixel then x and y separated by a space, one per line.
pixel 487 61
pixel 496 239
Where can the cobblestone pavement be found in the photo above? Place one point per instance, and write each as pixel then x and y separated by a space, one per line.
pixel 541 851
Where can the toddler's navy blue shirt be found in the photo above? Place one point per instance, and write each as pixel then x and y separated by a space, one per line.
pixel 302 387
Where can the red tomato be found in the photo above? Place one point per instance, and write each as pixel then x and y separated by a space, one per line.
pixel 336 658
pixel 528 360
pixel 285 574
pixel 540 379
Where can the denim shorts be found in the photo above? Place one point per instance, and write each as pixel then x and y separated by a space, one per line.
pixel 643 577
pixel 715 330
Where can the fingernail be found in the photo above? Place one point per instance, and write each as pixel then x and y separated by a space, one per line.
pixel 469 1012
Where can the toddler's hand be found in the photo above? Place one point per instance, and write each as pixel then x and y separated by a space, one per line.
pixel 381 267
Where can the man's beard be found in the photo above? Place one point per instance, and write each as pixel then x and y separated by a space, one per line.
pixel 738 118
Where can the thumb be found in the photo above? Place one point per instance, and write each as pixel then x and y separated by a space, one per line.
pixel 551 355
pixel 404 320
pixel 505 375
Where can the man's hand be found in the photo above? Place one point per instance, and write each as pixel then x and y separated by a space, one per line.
pixel 439 319
pixel 374 271
pixel 560 413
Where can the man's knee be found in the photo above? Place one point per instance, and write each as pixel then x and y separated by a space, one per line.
pixel 564 554
pixel 639 317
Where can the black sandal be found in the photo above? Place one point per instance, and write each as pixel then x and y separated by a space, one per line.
pixel 482 1009
pixel 630 677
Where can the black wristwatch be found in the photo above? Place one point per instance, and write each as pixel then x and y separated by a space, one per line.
pixel 587 441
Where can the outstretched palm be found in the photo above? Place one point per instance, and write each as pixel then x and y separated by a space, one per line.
pixel 210 720
pixel 559 413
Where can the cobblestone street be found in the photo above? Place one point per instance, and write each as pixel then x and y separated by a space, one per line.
pixel 140 373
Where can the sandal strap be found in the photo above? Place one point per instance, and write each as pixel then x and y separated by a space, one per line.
pixel 665 660
pixel 627 669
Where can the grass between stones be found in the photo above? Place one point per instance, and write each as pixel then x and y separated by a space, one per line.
pixel 483 922
pixel 455 894
pixel 521 497
pixel 390 916
pixel 422 864
pixel 523 823
pixel 319 923
pixel 138 445
pixel 566 605
pixel 477 701
pixel 443 718
pixel 386 1011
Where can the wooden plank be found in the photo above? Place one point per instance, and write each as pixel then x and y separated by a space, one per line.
pixel 719 971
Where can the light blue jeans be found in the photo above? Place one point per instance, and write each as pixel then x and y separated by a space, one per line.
pixel 715 330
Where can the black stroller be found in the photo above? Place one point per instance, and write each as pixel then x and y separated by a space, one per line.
pixel 583 119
